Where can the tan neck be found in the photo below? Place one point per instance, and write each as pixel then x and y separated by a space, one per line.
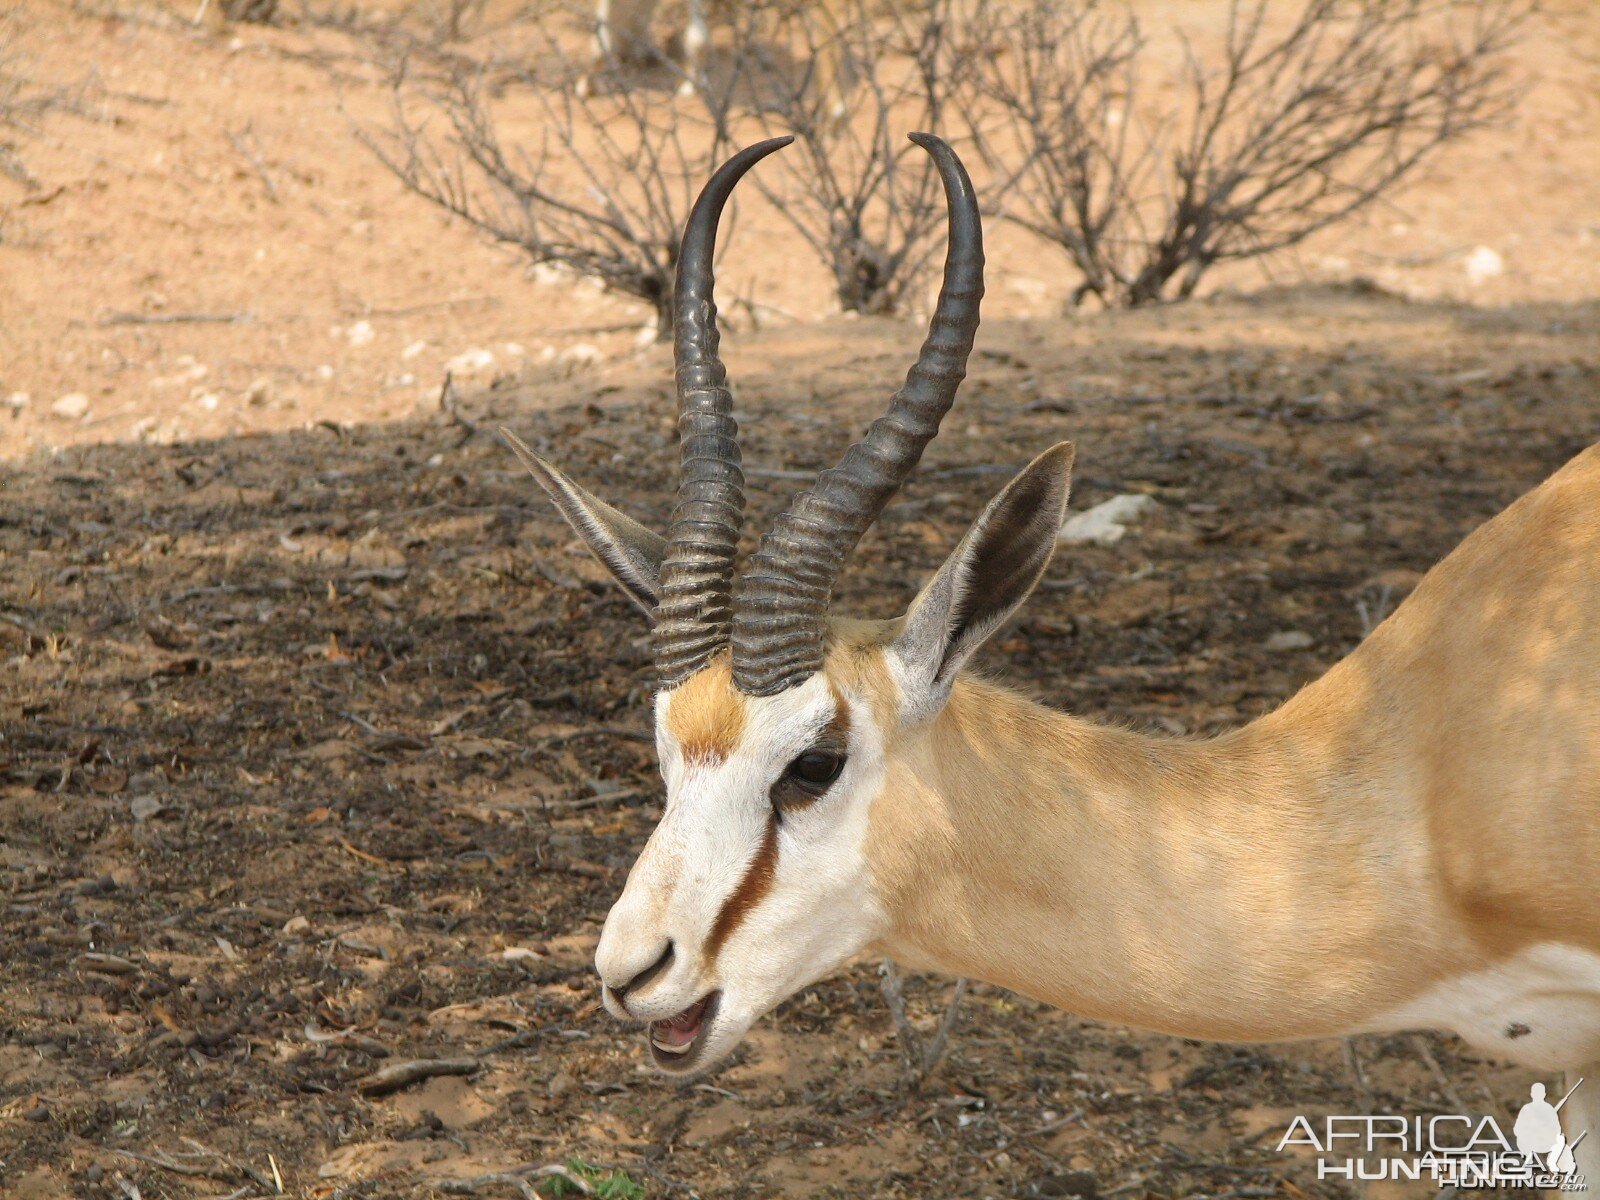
pixel 1425 809
pixel 1270 883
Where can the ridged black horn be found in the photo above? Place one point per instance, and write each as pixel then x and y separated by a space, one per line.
pixel 783 598
pixel 695 612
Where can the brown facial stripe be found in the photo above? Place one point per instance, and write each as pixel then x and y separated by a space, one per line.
pixel 752 889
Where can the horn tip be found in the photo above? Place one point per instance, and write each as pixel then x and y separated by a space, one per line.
pixel 755 153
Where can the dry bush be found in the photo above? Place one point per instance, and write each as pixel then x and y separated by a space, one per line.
pixel 1283 129
pixel 219 13
pixel 259 12
pixel 1289 132
pixel 922 1055
pixel 22 101
pixel 850 80
pixel 601 188
pixel 449 21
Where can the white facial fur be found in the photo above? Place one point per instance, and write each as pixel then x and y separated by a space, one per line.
pixel 818 910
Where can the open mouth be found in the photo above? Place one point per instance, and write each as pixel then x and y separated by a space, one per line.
pixel 675 1042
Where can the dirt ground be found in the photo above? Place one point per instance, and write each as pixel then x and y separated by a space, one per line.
pixel 323 745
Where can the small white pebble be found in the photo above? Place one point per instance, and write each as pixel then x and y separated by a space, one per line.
pixel 1107 522
pixel 360 334
pixel 582 355
pixel 416 348
pixel 74 406
pixel 1484 263
pixel 1290 639
pixel 471 362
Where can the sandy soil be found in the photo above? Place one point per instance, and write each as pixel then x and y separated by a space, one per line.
pixel 323 748
pixel 216 175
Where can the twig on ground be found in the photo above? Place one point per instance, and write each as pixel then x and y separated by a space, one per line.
pixel 429 306
pixel 404 1074
pixel 107 964
pixel 518 1177
pixel 556 739
pixel 1052 1126
pixel 255 160
pixel 346 1037
pixel 374 859
pixel 169 1164
pixel 584 802
pixel 449 404
pixel 179 318
pixel 248 1172
pixel 922 1057
pixel 1446 1088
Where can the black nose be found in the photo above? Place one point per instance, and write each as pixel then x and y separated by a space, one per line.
pixel 645 976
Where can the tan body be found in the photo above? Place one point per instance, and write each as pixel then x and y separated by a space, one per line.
pixel 1426 810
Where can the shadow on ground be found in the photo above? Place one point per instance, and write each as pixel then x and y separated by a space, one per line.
pixel 327 748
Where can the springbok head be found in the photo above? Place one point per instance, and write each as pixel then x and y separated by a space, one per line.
pixel 779 726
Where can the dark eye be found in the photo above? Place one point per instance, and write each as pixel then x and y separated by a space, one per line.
pixel 818 768
pixel 806 778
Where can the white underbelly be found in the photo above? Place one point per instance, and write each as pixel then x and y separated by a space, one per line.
pixel 1539 1008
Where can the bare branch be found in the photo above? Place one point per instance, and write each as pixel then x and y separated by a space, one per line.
pixel 850 79
pixel 602 190
pixel 1281 133
pixel 922 1055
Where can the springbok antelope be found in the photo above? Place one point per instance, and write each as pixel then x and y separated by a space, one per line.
pixel 623 38
pixel 1413 841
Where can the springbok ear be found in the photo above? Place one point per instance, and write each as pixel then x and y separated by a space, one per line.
pixel 626 548
pixel 984 581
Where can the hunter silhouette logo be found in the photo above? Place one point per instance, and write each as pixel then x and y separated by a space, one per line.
pixel 1450 1149
pixel 1540 1136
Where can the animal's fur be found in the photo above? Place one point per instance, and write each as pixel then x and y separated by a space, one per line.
pixel 1411 841
pixel 1429 807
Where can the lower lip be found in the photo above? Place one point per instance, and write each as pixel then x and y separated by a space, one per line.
pixel 680 1056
